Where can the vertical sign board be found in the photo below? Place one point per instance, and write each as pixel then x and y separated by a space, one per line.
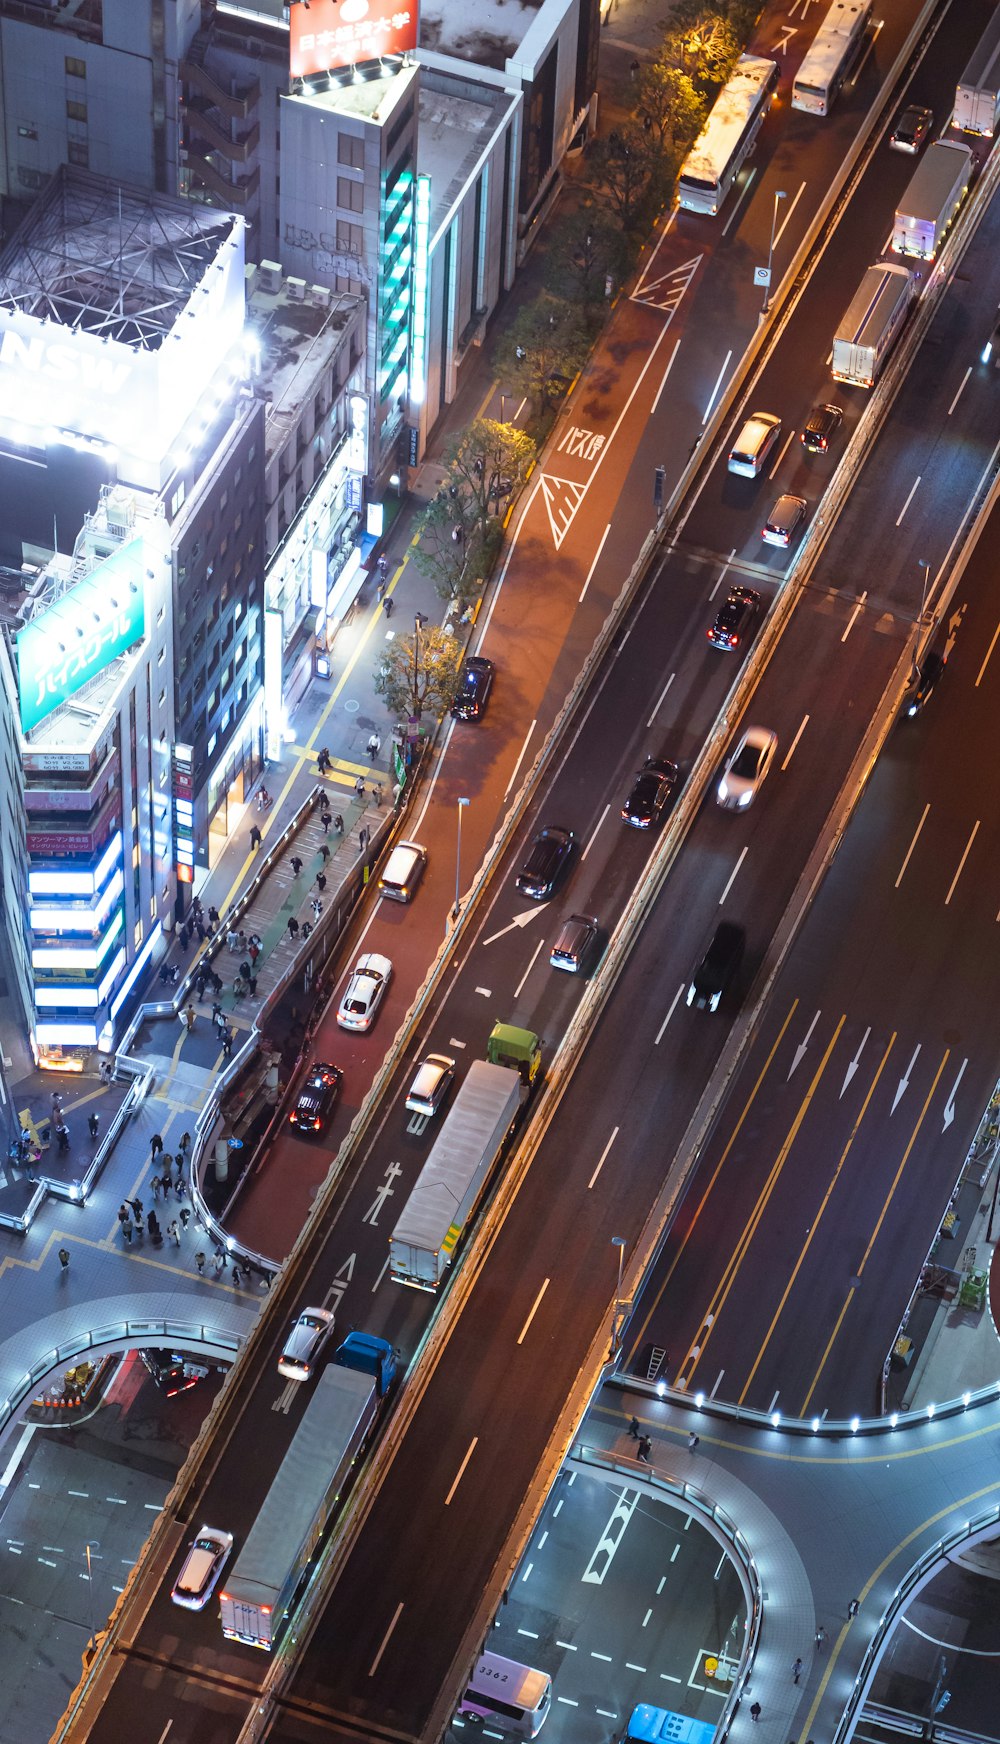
pixel 343 33
pixel 82 633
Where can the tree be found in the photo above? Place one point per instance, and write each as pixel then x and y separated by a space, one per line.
pixel 626 167
pixel 587 248
pixel 488 460
pixel 702 42
pixel 460 530
pixel 418 674
pixel 543 349
pixel 671 100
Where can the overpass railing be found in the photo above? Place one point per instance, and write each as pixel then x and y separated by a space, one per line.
pixel 836 1428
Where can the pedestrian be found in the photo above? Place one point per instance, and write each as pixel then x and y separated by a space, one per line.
pixel 364 837
pixel 326 820
pixel 185 1215
pixel 184 938
pixel 227 1044
pixel 199 926
pixel 821 1637
pixel 241 943
pixel 93 1122
pixel 199 1260
pixel 796 1671
pixel 644 1449
pixel 127 1228
pixel 307 930
pixel 321 882
pixel 293 928
pixel 633 1428
pixel 180 1187
pixel 254 953
pixel 153 1225
pixel 853 1608
pixel 173 1232
pixel 218 1015
pixel 136 1205
pixel 317 908
pixel 324 853
pixel 123 1218
pixel 62 1136
pixel 191 1015
pixel 377 793
pixel 323 760
pixel 374 746
pixel 296 865
pixel 184 1145
pixel 755 1712
pixel 155 1184
pixel 107 1072
pixel 387 606
pixel 338 824
pixel 246 969
pixel 155 1146
pixel 320 800
pixel 63 1258
pixel 219 1262
pixel 55 1104
pixel 252 983
pixel 633 70
pixel 237 1276
pixel 255 837
pixel 359 787
pixel 693 1441
pixel 165 1181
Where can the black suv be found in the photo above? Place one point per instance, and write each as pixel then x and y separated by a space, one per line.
pixel 821 426
pixel 651 793
pixel 474 688
pixel 316 1098
pixel 718 966
pixel 546 861
pixel 736 618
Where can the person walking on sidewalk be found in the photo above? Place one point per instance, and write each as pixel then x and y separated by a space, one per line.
pixel 173 1232
pixel 191 1015
pixel 644 1449
pixel 317 908
pixel 255 837
pixel 155 1185
pixel 93 1122
pixel 64 1259
pixel 185 1215
pixel 755 1712
pixel 155 1146
pixel 387 606
pixel 338 824
pixel 293 928
pixel 219 1262
pixel 125 1223
pixel 323 761
pixel 326 820
pixel 374 746
pixel 62 1136
pixel 853 1609
pixel 56 1107
pixel 796 1671
pixel 359 787
pixel 820 1637
pixel 324 853
pixel 237 1276
pixel 136 1205
pixel 296 865
pixel 199 1260
pixel 633 1428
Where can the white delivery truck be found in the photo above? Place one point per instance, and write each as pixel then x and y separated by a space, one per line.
pixel 977 99
pixel 868 330
pixel 935 192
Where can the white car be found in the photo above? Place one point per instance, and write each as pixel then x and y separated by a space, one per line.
pixel 364 991
pixel 746 768
pixel 304 1341
pixel 201 1568
pixel 433 1080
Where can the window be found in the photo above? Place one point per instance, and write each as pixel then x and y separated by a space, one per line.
pixel 350 195
pixel 78 153
pixel 27 133
pixel 350 237
pixel 177 500
pixel 350 151
pixel 76 69
pixel 75 111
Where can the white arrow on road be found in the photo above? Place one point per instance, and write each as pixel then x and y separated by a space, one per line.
pixel 852 1068
pixel 520 920
pixel 949 1107
pixel 800 1052
pixel 904 1082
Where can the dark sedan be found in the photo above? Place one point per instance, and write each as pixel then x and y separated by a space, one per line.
pixel 474 688
pixel 545 863
pixel 735 619
pixel 316 1098
pixel 651 793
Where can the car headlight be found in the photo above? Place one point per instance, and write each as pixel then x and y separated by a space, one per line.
pixel 745 798
pixel 723 790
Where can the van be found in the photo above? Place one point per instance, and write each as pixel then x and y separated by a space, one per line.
pixel 403 871
pixel 754 444
pixel 513 1696
pixel 575 942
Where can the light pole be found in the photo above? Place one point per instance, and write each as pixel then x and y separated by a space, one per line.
pixel 419 620
pixel 779 194
pixel 617 1241
pixel 94 1545
pixel 503 408
pixel 925 566
pixel 458 861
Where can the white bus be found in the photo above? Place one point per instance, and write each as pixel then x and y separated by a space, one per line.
pixel 728 135
pixel 831 55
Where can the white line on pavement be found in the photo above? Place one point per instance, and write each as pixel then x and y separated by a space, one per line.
pixel 732 876
pixel 660 698
pixel 536 1304
pixel 961 863
pixel 791 748
pixel 603 1159
pixel 987 657
pixel 527 972
pixel 670 1013
pixel 593 837
pixel 593 566
pixel 852 620
pixel 397 1613
pixel 782 452
pixel 663 381
pixel 520 758
pixel 958 395
pixel 461 1470
pixel 913 490
pixel 909 851
pixel 707 413
pixel 734 214
pixel 722 575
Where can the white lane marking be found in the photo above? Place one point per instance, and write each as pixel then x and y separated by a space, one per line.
pixel 660 698
pixel 593 837
pixel 668 226
pixel 722 575
pixel 949 1107
pixel 735 211
pixel 527 972
pixel 487 992
pixel 603 1159
pixel 605 1656
pixel 853 617
pixel 119 1501
pixel 645 1620
pixel 986 659
pixel 788 213
pixel 855 1063
pixel 605 1713
pixel 422 813
pixel 662 1582
pixel 83 1494
pixel 909 851
pixel 453 1042
pixel 461 1470
pixel 630 1667
pixel 958 395
pixel 781 453
pixel 520 758
pixel 732 876
pixel 663 383
pixel 567 1646
pixel 541 1541
pixel 567 1701
pixel 397 1613
pixel 715 391
pixel 667 1678
pixel 913 492
pixel 9 1471
pixel 593 566
pixel 901 1089
pixel 961 863
pixel 510 553
pixel 381 1275
pixel 532 1634
pixel 791 748
pixel 670 1013
pixel 536 1304
pixel 612 1535
pixel 803 1047
pixel 169 1723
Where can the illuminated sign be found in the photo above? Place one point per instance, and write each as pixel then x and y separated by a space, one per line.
pixel 341 33
pixel 421 271
pixel 66 646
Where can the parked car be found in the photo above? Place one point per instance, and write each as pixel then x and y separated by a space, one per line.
pixel 735 618
pixel 651 793
pixel 432 1081
pixel 715 970
pixel 911 129
pixel 821 427
pixel 304 1342
pixel 205 1560
pixel 474 688
pixel 746 768
pixel 545 862
pixel 783 522
pixel 364 992
pixel 316 1098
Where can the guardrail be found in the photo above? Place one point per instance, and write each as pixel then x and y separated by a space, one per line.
pixel 77 1192
pixel 833 1428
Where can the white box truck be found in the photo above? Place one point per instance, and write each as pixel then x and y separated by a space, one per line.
pixel 977 99
pixel 874 317
pixel 932 198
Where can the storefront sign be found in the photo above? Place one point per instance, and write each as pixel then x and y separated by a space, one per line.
pixel 66 646
pixel 342 33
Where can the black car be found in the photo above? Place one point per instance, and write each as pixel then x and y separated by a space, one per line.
pixel 718 966
pixel 316 1098
pixel 736 618
pixel 926 681
pixel 545 863
pixel 820 428
pixel 651 793
pixel 474 688
pixel 912 129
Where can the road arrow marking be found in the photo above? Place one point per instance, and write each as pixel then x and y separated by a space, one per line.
pixel 800 1052
pixel 852 1068
pixel 904 1082
pixel 520 920
pixel 949 1107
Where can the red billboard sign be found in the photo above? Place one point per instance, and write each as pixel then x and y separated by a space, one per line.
pixel 343 33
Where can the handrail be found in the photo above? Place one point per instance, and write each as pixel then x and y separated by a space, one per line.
pixel 832 1428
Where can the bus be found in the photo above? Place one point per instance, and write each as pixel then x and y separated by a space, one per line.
pixel 728 136
pixel 831 55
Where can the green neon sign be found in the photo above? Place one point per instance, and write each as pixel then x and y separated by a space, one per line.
pixel 63 648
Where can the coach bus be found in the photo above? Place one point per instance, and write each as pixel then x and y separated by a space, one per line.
pixel 831 55
pixel 728 136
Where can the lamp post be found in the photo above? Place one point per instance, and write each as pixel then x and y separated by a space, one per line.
pixel 923 564
pixel 93 1545
pixel 779 194
pixel 617 1241
pixel 458 861
pixel 419 620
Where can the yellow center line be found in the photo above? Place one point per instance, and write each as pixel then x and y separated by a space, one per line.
pixel 881 1219
pixel 827 1196
pixel 714 1176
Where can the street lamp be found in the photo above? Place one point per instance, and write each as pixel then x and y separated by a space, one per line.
pixel 779 194
pixel 94 1544
pixel 925 566
pixel 619 1242
pixel 419 620
pixel 458 861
